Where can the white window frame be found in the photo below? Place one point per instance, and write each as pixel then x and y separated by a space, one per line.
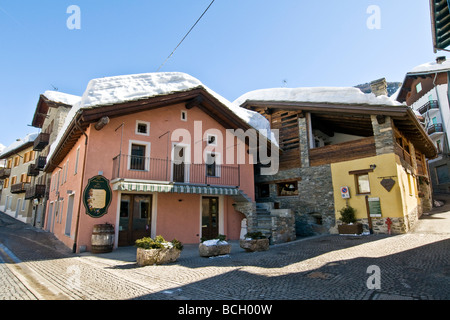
pixel 183 116
pixel 147 153
pixel 138 122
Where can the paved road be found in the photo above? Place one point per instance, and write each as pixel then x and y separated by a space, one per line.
pixel 35 266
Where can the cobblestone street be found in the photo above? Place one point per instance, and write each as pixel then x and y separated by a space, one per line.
pixel 34 265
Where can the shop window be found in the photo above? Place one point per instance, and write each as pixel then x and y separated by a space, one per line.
pixel 289 188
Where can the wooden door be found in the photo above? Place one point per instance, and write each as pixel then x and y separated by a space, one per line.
pixel 135 218
pixel 178 164
pixel 210 217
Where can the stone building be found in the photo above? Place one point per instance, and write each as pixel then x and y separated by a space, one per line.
pixel 331 138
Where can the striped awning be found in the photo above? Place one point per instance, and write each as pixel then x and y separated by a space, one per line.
pixel 170 188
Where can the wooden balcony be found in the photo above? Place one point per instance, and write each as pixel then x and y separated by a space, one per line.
pixel 433 104
pixel 41 141
pixel 35 192
pixel 32 170
pixel 5 173
pixel 40 162
pixel 357 149
pixel 19 187
pixel 435 128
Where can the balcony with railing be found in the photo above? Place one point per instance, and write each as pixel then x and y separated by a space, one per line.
pixel 32 170
pixel 35 192
pixel 164 170
pixel 5 173
pixel 41 141
pixel 19 187
pixel 40 162
pixel 435 128
pixel 433 104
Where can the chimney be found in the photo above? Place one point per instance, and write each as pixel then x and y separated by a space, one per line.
pixel 440 60
pixel 379 87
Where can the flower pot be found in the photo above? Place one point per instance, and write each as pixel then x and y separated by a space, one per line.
pixel 149 257
pixel 253 245
pixel 355 228
pixel 212 248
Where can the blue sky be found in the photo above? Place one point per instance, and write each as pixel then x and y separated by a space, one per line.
pixel 238 46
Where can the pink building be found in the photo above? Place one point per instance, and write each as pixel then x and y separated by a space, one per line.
pixel 171 167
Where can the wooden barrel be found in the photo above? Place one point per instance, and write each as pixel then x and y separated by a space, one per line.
pixel 102 240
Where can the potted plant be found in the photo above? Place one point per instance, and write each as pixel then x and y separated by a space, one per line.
pixel 157 251
pixel 214 247
pixel 254 241
pixel 348 218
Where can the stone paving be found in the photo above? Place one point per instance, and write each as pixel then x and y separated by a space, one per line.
pixel 415 266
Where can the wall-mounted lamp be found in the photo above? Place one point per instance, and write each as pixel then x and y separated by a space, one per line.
pixel 373 166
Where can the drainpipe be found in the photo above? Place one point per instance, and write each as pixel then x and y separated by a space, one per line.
pixel 77 125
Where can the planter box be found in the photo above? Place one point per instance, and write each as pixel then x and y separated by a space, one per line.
pixel 149 257
pixel 355 228
pixel 207 249
pixel 254 245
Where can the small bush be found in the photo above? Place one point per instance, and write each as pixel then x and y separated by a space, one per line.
pixel 158 243
pixel 348 214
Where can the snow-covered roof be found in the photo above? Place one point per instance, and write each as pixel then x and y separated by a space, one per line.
pixel 62 97
pixel 125 88
pixel 19 143
pixel 430 67
pixel 337 95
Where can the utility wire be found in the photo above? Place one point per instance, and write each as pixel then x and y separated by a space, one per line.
pixel 198 20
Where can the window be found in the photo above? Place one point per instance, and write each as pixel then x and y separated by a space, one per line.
pixel 76 160
pixel 24 203
pixel 6 183
pixel 212 140
pixel 362 183
pixel 13 180
pixel 143 128
pixel 442 174
pixel 288 188
pixel 419 87
pixel 138 157
pixel 211 166
pixel 9 165
pixel 16 161
pixel 183 115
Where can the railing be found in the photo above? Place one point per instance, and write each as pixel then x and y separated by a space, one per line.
pixel 435 128
pixel 433 104
pixel 40 162
pixel 402 153
pixel 150 169
pixel 5 173
pixel 41 141
pixel 32 170
pixel 351 150
pixel 19 187
pixel 36 191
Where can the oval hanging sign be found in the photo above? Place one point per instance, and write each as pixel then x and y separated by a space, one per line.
pixel 97 196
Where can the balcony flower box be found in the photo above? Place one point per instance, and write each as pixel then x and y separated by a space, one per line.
pixel 157 252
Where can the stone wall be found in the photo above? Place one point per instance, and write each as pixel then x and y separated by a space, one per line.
pixel 283 226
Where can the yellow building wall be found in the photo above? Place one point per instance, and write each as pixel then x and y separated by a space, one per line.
pixel 391 202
